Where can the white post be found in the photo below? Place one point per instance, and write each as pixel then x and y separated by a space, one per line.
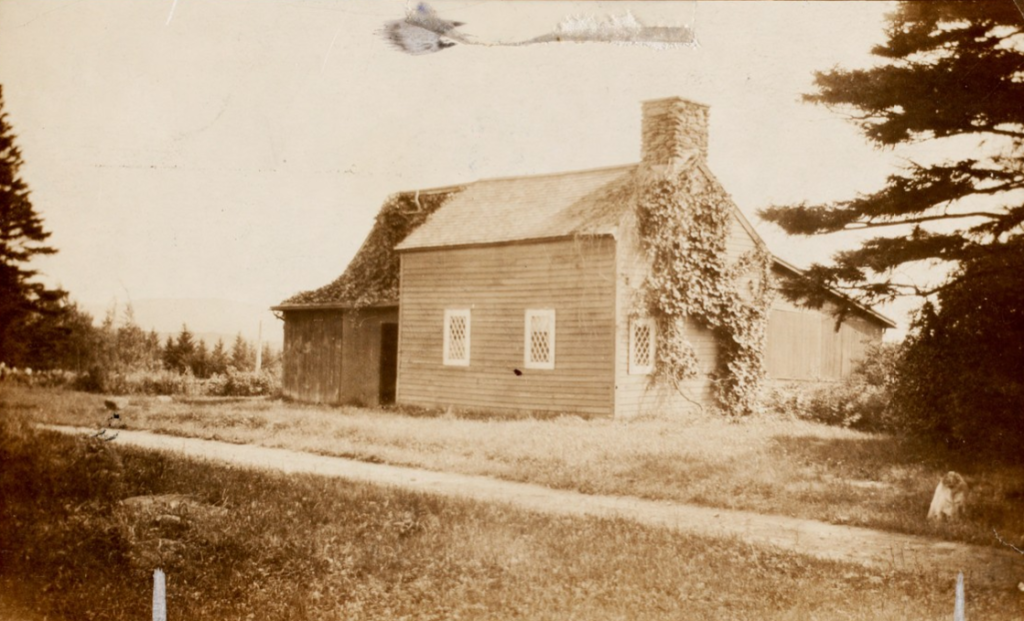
pixel 259 347
pixel 159 596
pixel 958 607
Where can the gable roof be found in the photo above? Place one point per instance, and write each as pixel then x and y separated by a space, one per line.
pixel 589 202
pixel 866 310
pixel 502 210
pixel 371 278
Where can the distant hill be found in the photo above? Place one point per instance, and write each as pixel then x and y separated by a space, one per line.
pixel 208 319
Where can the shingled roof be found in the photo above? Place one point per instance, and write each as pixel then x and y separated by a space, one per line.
pixel 371 278
pixel 590 202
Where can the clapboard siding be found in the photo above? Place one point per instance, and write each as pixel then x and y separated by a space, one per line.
pixel 333 356
pixel 803 344
pixel 498 284
pixel 637 394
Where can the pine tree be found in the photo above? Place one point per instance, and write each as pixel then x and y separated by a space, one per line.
pixel 218 359
pixel 170 355
pixel 951 75
pixel 243 358
pixel 950 71
pixel 22 237
pixel 201 361
pixel 185 349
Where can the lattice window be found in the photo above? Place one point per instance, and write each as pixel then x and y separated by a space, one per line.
pixel 642 342
pixel 539 347
pixel 456 337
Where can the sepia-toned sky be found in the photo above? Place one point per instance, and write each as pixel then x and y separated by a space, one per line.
pixel 240 150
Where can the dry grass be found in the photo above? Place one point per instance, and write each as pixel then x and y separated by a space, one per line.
pixel 255 545
pixel 777 466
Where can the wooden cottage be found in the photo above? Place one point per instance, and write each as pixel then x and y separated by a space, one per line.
pixel 518 294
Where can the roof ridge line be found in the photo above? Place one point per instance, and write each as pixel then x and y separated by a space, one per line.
pixel 456 186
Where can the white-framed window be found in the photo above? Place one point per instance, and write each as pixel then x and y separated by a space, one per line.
pixel 539 344
pixel 643 339
pixel 456 337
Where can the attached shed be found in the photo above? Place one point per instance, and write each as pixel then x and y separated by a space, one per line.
pixel 518 294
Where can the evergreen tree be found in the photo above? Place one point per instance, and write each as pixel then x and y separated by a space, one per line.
pixel 65 339
pixel 185 349
pixel 22 237
pixel 950 71
pixel 243 358
pixel 218 359
pixel 201 361
pixel 951 75
pixel 172 361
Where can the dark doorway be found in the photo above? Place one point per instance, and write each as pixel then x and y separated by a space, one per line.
pixel 388 362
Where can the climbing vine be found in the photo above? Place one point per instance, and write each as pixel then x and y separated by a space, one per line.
pixel 372 276
pixel 684 222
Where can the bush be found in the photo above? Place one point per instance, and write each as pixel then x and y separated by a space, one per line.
pixel 52 378
pixel 961 378
pixel 236 383
pixel 233 383
pixel 861 401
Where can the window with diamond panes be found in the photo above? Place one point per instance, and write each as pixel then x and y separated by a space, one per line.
pixel 539 348
pixel 456 338
pixel 642 337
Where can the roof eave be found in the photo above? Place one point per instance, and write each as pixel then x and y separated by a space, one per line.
pixel 506 242
pixel 333 306
pixel 861 307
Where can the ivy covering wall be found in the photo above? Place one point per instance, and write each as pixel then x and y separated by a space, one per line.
pixel 684 223
pixel 372 276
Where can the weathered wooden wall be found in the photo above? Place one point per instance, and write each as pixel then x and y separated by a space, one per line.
pixel 361 377
pixel 313 355
pixel 498 284
pixel 803 344
pixel 333 356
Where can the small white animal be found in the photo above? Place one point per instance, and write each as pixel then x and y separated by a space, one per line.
pixel 949 498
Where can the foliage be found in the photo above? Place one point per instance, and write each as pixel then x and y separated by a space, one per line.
pixel 239 544
pixel 949 71
pixel 862 400
pixel 22 237
pixel 243 356
pixel 231 383
pixel 372 276
pixel 61 338
pixel 961 379
pixel 683 223
pixel 179 353
pixel 234 383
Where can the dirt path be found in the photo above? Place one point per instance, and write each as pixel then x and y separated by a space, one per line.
pixel 877 549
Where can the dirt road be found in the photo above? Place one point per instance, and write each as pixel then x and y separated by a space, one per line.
pixel 877 549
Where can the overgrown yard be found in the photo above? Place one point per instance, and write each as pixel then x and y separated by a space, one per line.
pixel 84 523
pixel 768 465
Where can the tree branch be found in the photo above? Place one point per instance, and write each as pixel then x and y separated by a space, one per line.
pixel 872 224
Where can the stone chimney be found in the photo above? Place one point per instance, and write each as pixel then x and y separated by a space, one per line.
pixel 671 128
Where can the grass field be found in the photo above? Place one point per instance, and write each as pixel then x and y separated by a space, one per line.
pixel 251 545
pixel 777 466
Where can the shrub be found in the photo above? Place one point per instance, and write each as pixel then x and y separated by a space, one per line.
pixel 50 378
pixel 861 400
pixel 236 383
pixel 961 378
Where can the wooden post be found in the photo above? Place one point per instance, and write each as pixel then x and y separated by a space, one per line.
pixel 958 607
pixel 259 347
pixel 159 596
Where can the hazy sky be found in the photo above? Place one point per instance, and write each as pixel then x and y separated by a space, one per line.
pixel 240 150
